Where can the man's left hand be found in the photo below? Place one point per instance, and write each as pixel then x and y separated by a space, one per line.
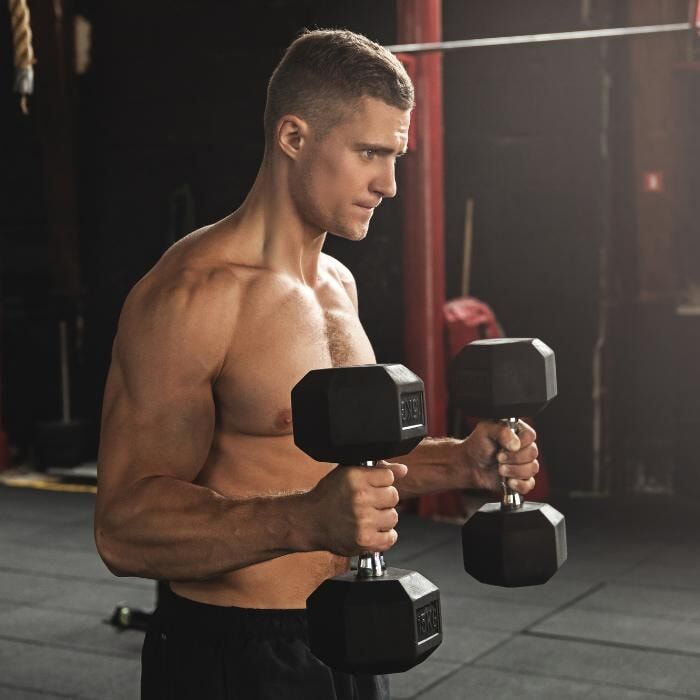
pixel 494 453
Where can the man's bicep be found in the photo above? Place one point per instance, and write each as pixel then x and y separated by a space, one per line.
pixel 158 414
pixel 168 433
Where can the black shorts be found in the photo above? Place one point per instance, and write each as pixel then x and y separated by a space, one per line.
pixel 195 651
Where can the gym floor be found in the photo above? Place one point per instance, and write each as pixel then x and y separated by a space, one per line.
pixel 620 620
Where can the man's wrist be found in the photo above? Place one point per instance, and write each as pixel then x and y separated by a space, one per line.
pixel 463 466
pixel 478 476
pixel 300 524
pixel 472 476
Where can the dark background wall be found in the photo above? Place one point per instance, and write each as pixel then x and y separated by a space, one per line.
pixel 523 130
pixel 173 102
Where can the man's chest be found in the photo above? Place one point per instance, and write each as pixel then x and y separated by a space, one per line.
pixel 275 346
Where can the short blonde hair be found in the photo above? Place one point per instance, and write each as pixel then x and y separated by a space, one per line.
pixel 325 72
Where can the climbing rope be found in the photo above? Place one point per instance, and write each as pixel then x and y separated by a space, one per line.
pixel 24 53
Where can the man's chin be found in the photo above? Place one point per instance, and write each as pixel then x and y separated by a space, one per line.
pixel 351 234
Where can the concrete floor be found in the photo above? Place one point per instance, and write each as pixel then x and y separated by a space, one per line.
pixel 620 620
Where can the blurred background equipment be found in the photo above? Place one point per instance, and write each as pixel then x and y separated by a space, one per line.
pixel 61 443
pixel 23 51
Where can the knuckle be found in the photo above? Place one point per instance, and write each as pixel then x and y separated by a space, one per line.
pixel 353 478
pixel 519 485
pixel 393 496
pixel 525 427
pixel 359 501
pixel 364 540
pixel 389 519
pixel 387 541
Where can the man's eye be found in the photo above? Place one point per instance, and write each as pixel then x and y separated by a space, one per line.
pixel 368 153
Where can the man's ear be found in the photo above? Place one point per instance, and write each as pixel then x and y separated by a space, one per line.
pixel 292 134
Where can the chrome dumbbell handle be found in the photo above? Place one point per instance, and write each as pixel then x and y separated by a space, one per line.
pixel 370 564
pixel 511 500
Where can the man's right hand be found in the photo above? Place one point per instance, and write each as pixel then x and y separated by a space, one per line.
pixel 354 509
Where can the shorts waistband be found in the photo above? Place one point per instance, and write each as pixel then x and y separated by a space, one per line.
pixel 191 614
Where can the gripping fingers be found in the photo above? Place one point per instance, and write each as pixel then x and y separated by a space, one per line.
pixel 519 471
pixel 388 497
pixel 522 486
pixel 385 473
pixel 388 520
pixel 378 533
pixel 386 541
pixel 525 457
pixel 378 538
pixel 524 436
pixel 526 433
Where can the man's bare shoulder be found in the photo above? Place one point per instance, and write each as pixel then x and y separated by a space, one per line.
pixel 184 303
pixel 342 273
pixel 198 286
pixel 339 269
pixel 195 270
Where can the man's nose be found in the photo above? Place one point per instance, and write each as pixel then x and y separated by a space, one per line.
pixel 385 183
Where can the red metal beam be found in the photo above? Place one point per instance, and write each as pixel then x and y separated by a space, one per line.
pixel 424 212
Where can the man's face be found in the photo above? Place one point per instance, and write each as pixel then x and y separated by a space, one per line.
pixel 346 174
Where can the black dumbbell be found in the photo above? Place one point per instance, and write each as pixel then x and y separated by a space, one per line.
pixel 377 619
pixel 511 543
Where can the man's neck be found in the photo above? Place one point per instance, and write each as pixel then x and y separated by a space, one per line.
pixel 271 231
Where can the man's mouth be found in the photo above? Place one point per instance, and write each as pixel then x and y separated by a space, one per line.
pixel 369 207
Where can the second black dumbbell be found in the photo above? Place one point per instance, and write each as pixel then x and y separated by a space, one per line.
pixel 511 543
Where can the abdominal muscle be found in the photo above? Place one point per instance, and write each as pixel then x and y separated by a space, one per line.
pixel 245 466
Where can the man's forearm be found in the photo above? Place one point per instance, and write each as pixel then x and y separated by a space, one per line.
pixel 433 466
pixel 440 464
pixel 173 530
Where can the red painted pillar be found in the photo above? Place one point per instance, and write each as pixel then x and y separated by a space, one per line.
pixel 423 206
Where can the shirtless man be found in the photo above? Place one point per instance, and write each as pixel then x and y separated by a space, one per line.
pixel 200 483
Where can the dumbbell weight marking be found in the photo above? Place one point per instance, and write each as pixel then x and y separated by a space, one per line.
pixel 412 410
pixel 428 621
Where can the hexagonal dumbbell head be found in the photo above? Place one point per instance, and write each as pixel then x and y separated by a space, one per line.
pixel 382 625
pixel 521 547
pixel 356 414
pixel 510 543
pixel 504 377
